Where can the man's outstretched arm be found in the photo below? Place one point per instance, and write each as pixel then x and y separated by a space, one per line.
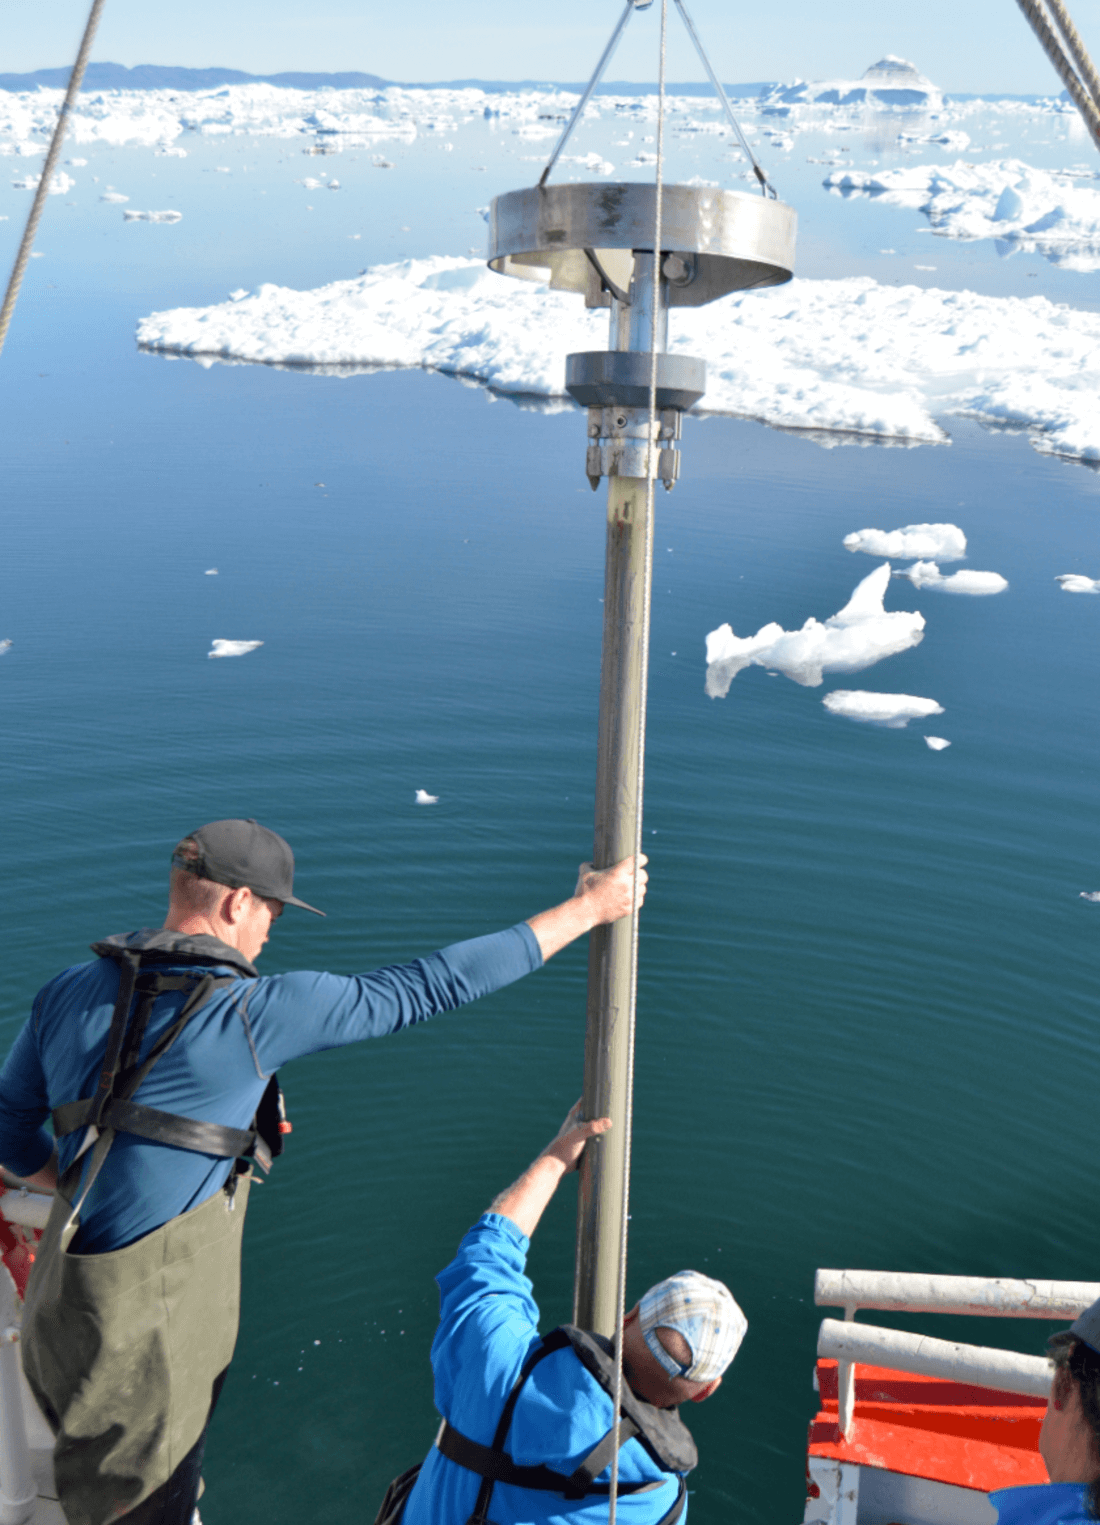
pixel 602 895
pixel 524 1202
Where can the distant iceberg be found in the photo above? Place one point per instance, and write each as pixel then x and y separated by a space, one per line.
pixel 892 84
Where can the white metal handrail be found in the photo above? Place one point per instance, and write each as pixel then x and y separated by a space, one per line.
pixel 911 1292
pixel 1005 1371
pixel 985 1296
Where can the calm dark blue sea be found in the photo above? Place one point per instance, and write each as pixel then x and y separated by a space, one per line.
pixel 867 1014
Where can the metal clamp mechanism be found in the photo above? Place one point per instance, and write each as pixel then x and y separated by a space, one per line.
pixel 628 452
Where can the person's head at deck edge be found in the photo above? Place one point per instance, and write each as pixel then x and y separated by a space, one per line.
pixel 230 879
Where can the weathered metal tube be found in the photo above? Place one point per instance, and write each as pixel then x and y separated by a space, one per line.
pixel 988 1296
pixel 606 1046
pixel 1003 1370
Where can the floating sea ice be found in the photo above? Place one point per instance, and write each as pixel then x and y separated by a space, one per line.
pixel 169 151
pixel 1090 895
pixel 59 183
pixel 222 169
pixel 946 542
pixel 77 163
pixel 4 646
pixel 937 743
pixel 238 295
pixel 211 572
pixel 891 710
pixel 113 196
pixel 926 574
pixel 424 798
pixel 167 216
pixel 311 184
pixel 1073 582
pixel 861 634
pixel 380 162
pixel 219 648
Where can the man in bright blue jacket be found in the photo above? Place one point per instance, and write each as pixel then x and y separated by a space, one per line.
pixel 528 1433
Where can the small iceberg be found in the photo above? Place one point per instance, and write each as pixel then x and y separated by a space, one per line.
pixel 858 636
pixel 942 542
pixel 168 216
pixel 891 710
pixel 936 743
pixel 4 646
pixel 1073 582
pixel 424 798
pixel 220 648
pixel 926 574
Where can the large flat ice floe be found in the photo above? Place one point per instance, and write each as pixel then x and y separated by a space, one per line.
pixel 1023 208
pixel 845 355
pixel 861 634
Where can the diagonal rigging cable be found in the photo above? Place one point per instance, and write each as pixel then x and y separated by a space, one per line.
pixel 1037 16
pixel 22 258
pixel 766 187
pixel 651 459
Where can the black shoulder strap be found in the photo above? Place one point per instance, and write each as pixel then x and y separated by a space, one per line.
pixel 495 1465
pixel 110 1110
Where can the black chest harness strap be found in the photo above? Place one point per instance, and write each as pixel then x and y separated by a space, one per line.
pixel 495 1465
pixel 111 1110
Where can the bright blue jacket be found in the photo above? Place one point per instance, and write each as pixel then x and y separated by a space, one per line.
pixel 488 1325
pixel 1043 1504
pixel 218 1068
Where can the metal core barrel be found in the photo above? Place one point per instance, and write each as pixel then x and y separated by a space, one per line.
pixel 597 240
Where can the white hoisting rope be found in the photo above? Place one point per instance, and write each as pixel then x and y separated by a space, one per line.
pixel 652 458
pixel 22 258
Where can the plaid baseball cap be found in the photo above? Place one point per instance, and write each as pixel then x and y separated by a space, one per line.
pixel 1086 1326
pixel 704 1312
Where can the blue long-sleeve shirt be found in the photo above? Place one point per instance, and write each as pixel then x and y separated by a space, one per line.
pixel 217 1069
pixel 1042 1504
pixel 488 1325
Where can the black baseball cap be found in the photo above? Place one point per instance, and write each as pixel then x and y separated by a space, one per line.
pixel 1087 1326
pixel 240 853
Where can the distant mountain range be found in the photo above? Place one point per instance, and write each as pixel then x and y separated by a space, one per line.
pixel 108 76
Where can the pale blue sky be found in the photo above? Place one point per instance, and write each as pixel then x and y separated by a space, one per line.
pixel 979 45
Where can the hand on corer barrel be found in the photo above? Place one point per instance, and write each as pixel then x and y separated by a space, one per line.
pixel 601 896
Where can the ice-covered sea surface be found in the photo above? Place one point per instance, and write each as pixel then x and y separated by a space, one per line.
pixel 866 967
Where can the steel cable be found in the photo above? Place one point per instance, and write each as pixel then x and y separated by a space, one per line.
pixel 652 458
pixel 22 258
pixel 1043 30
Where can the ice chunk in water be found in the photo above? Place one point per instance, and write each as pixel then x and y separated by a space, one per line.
pixel 926 574
pixel 424 798
pixel 167 216
pixel 946 542
pixel 936 743
pixel 4 646
pixel 892 710
pixel 858 636
pixel 1073 582
pixel 220 648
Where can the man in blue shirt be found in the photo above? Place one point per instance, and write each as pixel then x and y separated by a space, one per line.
pixel 1069 1441
pixel 150 1191
pixel 528 1431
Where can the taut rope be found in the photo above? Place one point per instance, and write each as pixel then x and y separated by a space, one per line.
pixel 22 259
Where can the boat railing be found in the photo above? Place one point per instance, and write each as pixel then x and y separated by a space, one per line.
pixel 849 1343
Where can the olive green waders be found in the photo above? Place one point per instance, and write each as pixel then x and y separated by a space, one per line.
pixel 126 1353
